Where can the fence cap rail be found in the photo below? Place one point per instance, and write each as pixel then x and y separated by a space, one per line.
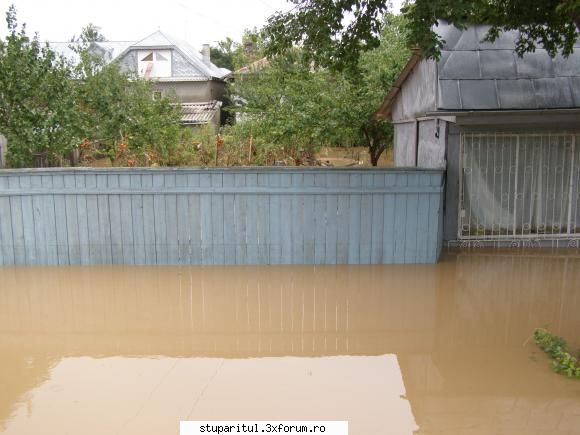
pixel 204 170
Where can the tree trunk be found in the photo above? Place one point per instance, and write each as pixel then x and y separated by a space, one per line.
pixel 375 153
pixel 376 146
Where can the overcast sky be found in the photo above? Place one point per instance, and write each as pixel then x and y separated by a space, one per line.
pixel 196 21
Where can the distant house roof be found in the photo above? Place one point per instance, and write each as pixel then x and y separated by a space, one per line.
pixel 157 40
pixel 199 113
pixel 111 49
pixel 477 75
pixel 160 39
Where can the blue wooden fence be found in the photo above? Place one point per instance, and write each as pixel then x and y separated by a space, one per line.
pixel 220 216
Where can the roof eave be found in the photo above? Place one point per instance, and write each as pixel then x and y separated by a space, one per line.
pixel 501 112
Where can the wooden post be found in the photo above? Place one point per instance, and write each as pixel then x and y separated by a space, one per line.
pixel 3 146
pixel 250 151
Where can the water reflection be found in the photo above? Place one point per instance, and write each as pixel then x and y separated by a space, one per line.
pixel 146 346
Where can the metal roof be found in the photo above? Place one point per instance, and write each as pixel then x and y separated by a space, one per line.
pixel 477 75
pixel 160 39
pixel 199 113
pixel 112 49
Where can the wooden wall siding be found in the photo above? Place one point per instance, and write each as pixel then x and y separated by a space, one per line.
pixel 219 216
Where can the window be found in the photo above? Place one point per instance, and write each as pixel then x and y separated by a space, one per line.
pixel 154 63
pixel 519 186
pixel 159 57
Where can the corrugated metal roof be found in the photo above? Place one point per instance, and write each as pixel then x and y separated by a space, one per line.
pixel 478 75
pixel 199 113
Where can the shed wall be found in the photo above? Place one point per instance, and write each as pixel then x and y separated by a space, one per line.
pixel 405 144
pixel 431 144
pixel 418 93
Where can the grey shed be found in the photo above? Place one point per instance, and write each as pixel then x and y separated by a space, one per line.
pixel 505 128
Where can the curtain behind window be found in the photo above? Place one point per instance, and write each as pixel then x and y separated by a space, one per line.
pixel 519 185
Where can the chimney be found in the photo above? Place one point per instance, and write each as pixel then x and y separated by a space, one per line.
pixel 205 54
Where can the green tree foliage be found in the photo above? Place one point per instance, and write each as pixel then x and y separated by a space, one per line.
pixel 51 110
pixel 38 113
pixel 293 104
pixel 223 54
pixel 335 32
pixel 235 55
pixel 121 120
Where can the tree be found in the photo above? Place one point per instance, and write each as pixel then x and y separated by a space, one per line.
pixel 119 117
pixel 90 33
pixel 235 55
pixel 223 54
pixel 292 103
pixel 49 109
pixel 335 32
pixel 38 113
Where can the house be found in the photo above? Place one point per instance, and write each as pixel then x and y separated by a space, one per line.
pixel 507 131
pixel 174 65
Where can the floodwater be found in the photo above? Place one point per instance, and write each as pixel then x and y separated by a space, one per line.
pixel 430 349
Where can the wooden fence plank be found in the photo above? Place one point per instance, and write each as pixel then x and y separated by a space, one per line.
pixel 275 236
pixel 117 245
pixel 6 241
pixel 297 222
pixel 366 222
pixel 171 221
pixel 286 222
pixel 149 237
pixel 320 222
pixel 229 221
pixel 28 223
pixel 354 233
pixel 39 221
pixel 127 232
pixel 15 206
pixel 206 222
pixel 343 218
pixel 83 221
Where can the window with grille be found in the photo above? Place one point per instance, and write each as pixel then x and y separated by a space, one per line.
pixel 519 186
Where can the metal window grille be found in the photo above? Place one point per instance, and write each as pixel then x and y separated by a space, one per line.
pixel 519 186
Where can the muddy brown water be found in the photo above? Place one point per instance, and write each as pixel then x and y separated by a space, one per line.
pixel 431 349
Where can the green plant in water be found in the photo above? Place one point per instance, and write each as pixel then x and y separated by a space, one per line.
pixel 563 361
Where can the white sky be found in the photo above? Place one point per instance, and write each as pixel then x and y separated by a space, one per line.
pixel 197 21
